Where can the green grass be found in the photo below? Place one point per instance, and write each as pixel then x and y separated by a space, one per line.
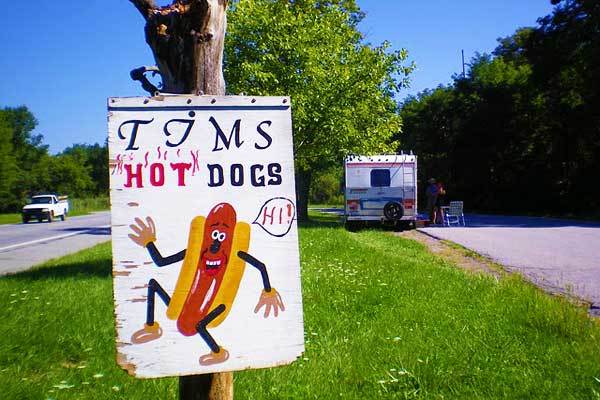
pixel 10 218
pixel 384 319
pixel 88 205
pixel 77 207
pixel 340 205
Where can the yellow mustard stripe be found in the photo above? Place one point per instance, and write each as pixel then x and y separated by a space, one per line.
pixel 233 274
pixel 188 269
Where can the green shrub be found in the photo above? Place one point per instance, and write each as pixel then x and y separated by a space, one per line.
pixel 80 206
pixel 326 187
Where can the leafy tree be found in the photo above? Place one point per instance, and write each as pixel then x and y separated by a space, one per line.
pixel 512 48
pixel 327 187
pixel 478 135
pixel 25 148
pixel 342 89
pixel 41 174
pixel 8 165
pixel 565 57
pixel 429 129
pixel 95 159
pixel 69 174
pixel 28 148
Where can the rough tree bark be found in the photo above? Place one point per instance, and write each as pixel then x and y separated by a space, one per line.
pixel 187 40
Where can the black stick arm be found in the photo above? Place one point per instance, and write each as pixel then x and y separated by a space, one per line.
pixel 259 266
pixel 161 261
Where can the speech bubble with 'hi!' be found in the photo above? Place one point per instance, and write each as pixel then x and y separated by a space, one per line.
pixel 276 216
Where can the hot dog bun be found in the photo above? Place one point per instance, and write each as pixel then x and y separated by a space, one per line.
pixel 188 269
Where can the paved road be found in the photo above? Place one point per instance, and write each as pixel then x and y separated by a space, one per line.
pixel 24 245
pixel 558 255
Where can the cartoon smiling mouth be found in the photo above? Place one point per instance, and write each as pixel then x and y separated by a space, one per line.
pixel 212 266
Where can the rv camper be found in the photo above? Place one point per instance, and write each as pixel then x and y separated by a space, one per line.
pixel 381 188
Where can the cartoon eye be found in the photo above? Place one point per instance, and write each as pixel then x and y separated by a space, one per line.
pixel 215 234
pixel 222 236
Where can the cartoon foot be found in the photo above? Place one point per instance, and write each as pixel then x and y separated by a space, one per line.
pixel 147 334
pixel 214 358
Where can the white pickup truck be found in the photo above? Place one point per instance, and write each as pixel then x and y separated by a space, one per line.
pixel 46 207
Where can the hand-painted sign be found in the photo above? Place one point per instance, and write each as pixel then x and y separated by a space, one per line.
pixel 205 243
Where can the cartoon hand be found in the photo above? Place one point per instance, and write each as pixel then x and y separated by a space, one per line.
pixel 272 300
pixel 145 234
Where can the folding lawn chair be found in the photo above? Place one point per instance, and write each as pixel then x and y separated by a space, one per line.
pixel 454 213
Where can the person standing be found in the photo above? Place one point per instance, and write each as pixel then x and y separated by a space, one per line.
pixel 431 193
pixel 439 203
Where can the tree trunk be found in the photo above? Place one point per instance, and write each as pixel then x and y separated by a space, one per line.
pixel 303 180
pixel 187 40
pixel 212 387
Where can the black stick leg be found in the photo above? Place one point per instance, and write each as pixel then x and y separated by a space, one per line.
pixel 153 289
pixel 201 328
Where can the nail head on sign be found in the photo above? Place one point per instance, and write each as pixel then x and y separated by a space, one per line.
pixel 189 101
pixel 213 101
pixel 146 101
pixel 253 100
pixel 192 114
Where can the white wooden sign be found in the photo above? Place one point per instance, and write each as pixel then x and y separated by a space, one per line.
pixel 205 242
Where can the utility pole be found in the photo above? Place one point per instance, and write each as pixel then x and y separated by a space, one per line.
pixel 463 63
pixel 187 41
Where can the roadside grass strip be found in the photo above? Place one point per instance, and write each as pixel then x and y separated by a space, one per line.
pixel 13 218
pixel 384 319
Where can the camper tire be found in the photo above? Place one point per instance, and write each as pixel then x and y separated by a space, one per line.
pixel 393 211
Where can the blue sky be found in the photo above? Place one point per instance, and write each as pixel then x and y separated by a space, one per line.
pixel 63 59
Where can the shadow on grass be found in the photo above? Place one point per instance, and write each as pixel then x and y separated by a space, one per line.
pixel 101 268
pixel 319 220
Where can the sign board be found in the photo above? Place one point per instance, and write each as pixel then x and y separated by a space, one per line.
pixel 204 236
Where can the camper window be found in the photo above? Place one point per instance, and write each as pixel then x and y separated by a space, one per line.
pixel 380 178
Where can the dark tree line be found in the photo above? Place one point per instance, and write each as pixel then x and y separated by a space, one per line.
pixel 521 131
pixel 27 168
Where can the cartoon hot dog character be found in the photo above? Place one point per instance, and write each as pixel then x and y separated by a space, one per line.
pixel 210 275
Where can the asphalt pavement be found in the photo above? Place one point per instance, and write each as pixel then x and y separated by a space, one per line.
pixel 25 245
pixel 556 254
